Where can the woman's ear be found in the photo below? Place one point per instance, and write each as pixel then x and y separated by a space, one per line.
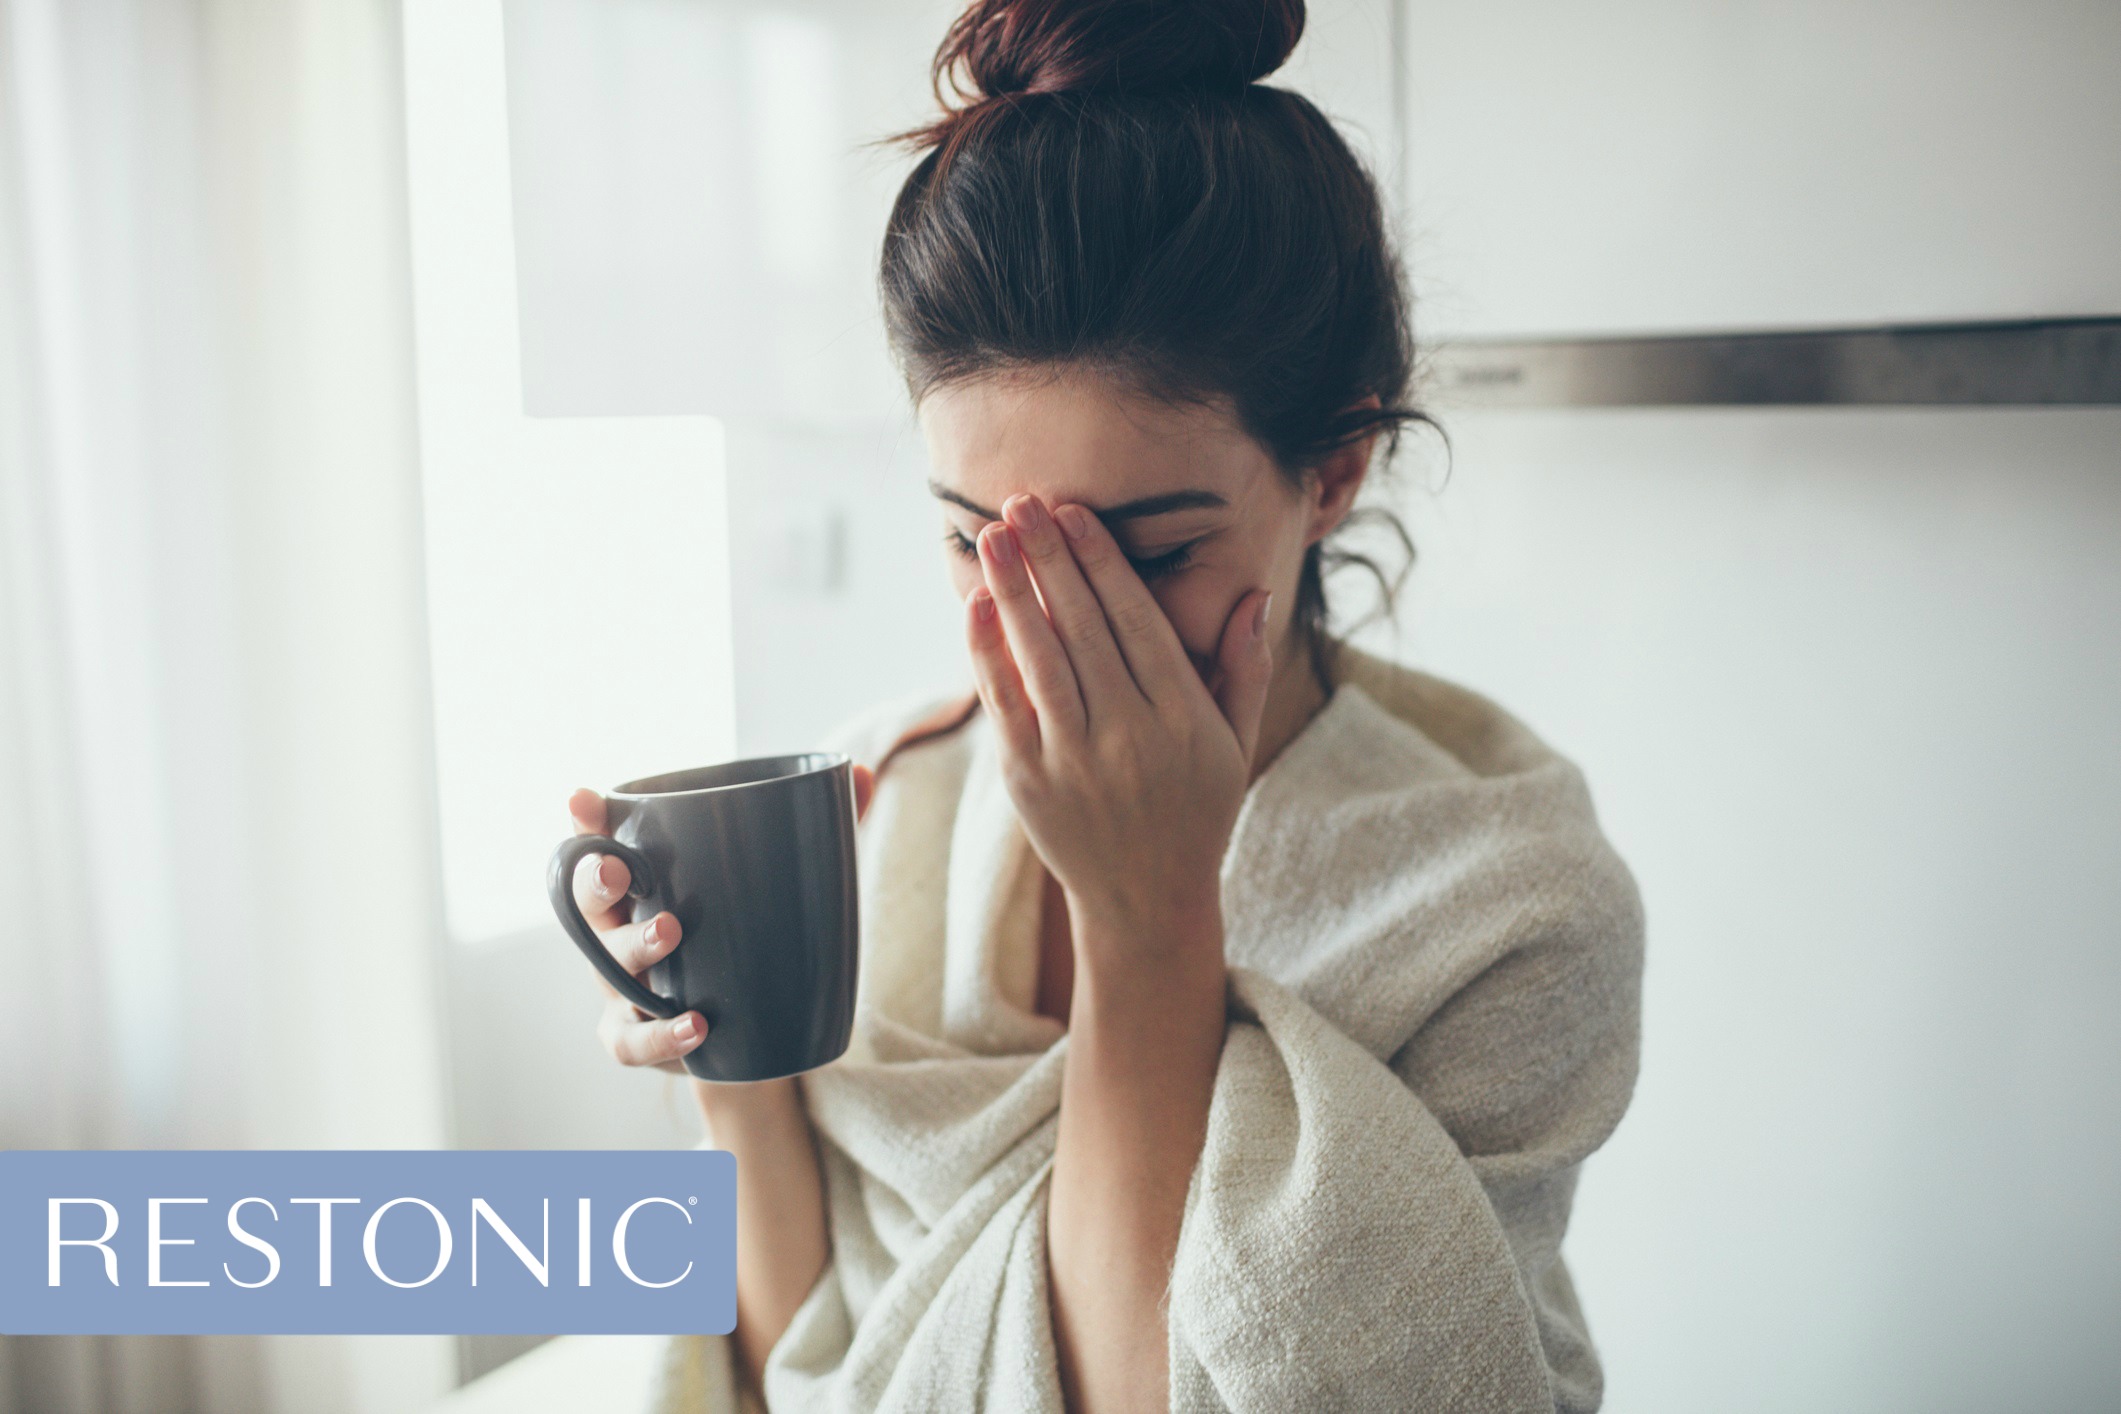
pixel 1337 478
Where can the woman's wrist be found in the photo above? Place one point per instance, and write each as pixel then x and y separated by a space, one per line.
pixel 1154 979
pixel 1175 939
pixel 736 1112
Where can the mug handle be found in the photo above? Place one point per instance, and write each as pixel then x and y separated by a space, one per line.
pixel 559 886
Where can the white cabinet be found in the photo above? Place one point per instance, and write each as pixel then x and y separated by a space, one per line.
pixel 1646 165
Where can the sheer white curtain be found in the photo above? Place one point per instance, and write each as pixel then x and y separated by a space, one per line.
pixel 218 898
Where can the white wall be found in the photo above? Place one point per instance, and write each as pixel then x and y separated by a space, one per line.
pixel 1843 684
pixel 1843 681
pixel 1650 164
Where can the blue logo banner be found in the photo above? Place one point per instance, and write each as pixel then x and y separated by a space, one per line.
pixel 196 1242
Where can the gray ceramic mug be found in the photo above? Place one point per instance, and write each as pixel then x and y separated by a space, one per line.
pixel 756 859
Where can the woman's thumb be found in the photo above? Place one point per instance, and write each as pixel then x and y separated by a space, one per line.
pixel 1247 664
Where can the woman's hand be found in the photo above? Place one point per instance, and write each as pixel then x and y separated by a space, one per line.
pixel 1126 768
pixel 600 884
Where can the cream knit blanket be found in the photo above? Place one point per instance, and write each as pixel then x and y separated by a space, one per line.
pixel 1435 963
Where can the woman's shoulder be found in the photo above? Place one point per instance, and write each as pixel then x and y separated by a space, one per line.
pixel 1417 790
pixel 1473 730
pixel 1424 748
pixel 1394 738
pixel 1420 840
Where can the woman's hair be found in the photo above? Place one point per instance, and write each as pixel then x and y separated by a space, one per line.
pixel 1111 188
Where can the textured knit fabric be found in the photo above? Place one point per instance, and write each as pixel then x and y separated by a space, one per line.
pixel 1435 964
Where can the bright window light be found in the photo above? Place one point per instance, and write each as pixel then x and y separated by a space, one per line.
pixel 577 569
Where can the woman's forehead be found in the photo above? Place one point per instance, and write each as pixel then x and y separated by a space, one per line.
pixel 1080 437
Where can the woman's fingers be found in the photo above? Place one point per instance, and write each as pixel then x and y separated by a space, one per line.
pixel 633 1041
pixel 1048 677
pixel 587 808
pixel 1071 604
pixel 1247 663
pixel 638 945
pixel 600 883
pixel 1001 687
pixel 1151 646
pixel 600 880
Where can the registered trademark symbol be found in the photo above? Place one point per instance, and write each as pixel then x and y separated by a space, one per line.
pixel 693 1201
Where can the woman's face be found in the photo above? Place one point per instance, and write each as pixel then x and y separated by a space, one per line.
pixel 1200 508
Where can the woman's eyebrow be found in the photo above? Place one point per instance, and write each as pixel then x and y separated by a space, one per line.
pixel 1157 505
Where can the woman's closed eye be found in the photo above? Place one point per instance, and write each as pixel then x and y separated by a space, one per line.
pixel 1150 567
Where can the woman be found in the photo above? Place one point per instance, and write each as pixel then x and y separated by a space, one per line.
pixel 1236 1008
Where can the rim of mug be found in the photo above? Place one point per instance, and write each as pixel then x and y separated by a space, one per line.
pixel 832 761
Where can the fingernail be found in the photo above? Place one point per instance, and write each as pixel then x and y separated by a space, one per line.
pixel 983 604
pixel 1259 621
pixel 684 1028
pixel 597 881
pixel 1026 511
pixel 1002 543
pixel 1074 520
pixel 651 929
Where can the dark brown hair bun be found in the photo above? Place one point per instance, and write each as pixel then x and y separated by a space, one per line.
pixel 1001 47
